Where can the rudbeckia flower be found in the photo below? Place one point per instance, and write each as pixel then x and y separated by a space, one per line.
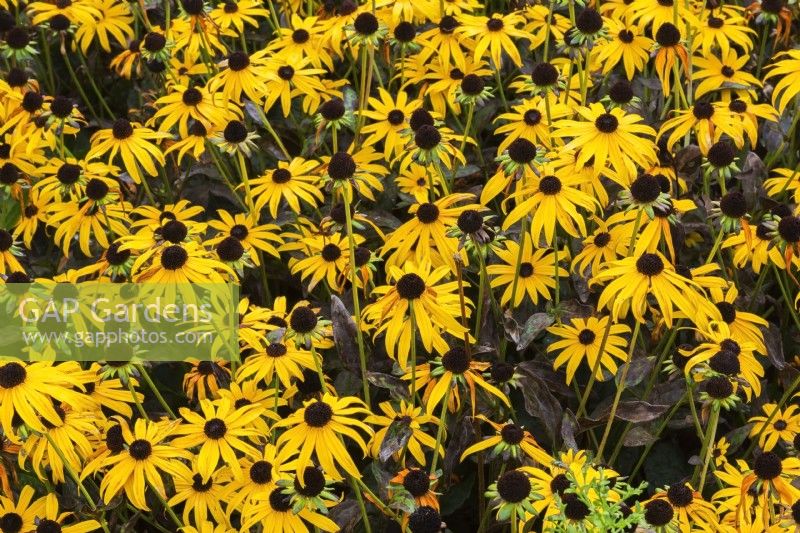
pixel 442 377
pixel 200 498
pixel 391 118
pixel 326 259
pixel 293 182
pixel 241 74
pixel 196 103
pixel 771 479
pixel 421 290
pixel 253 237
pixel 680 507
pixel 552 200
pixel 424 238
pixel 671 55
pixel 113 20
pixel 583 339
pixel 62 446
pixel 494 35
pixel 529 272
pixel 634 278
pixel 776 425
pixel 723 29
pixel 276 515
pixel 280 359
pixel 221 429
pixel 25 511
pixel 723 74
pixel 132 143
pixel 175 263
pixel 509 441
pixel 445 42
pixel 304 38
pixel 140 465
pixel 354 170
pixel 406 415
pixel 316 429
pixel 722 354
pixel 613 136
pixel 625 44
pixel 29 390
pixel 530 120
pixel 203 379
pixel 286 79
pixel 261 476
pixel 787 66
pixel 237 14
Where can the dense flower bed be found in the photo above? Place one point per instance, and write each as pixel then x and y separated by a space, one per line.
pixel 526 265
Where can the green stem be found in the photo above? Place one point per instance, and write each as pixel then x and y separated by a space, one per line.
pixel 356 303
pixel 481 291
pixel 500 86
pixel 708 445
pixel 618 395
pixel 167 507
pixel 714 249
pixel 595 367
pixel 635 233
pixel 761 49
pixel 557 292
pixel 318 366
pixel 272 133
pixel 94 85
pixel 361 507
pixel 155 390
pixel 71 472
pixel 413 355
pixel 246 181
pixel 440 431
pixel 548 26
pixel 786 297
pixel 136 401
pixel 522 235
pixel 698 428
pixel 77 84
pixel 377 501
pixel 48 62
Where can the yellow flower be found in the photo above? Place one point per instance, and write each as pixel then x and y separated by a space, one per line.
pixel 219 431
pixel 197 103
pixel 783 426
pixel 417 289
pixel 406 415
pixel 614 136
pixel 633 279
pixel 424 238
pixel 626 44
pixel 142 461
pixel 725 75
pixel 788 66
pixel 583 339
pixel 30 391
pixel 292 181
pixel 113 19
pixel 316 429
pixel 132 143
pixel 493 36
pixel 534 271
